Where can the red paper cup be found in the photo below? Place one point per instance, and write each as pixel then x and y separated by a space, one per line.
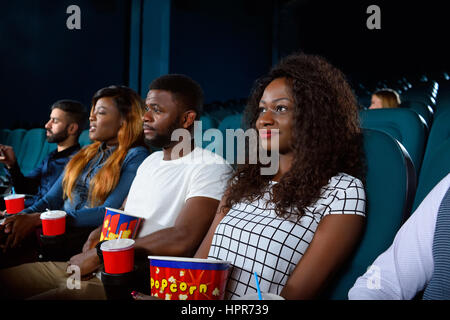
pixel 53 223
pixel 179 278
pixel 14 203
pixel 116 221
pixel 118 255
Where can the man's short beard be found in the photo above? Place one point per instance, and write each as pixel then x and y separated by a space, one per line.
pixel 161 141
pixel 58 137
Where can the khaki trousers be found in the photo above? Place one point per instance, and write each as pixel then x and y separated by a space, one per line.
pixel 47 280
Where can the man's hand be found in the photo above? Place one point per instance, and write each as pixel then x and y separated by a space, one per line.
pixel 7 155
pixel 19 227
pixel 88 262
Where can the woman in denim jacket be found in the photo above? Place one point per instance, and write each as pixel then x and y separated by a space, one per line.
pixel 100 174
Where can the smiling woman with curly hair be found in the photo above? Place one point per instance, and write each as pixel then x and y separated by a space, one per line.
pixel 294 228
pixel 326 134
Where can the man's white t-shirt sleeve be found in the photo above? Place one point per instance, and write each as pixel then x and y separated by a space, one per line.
pixel 209 181
pixel 406 267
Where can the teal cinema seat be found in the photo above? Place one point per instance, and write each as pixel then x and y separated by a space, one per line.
pixel 207 122
pixel 389 194
pixel 30 149
pixel 230 123
pixel 439 133
pixel 425 111
pixel 402 124
pixel 443 99
pixel 436 162
pixel 84 138
pixel 434 170
pixel 15 138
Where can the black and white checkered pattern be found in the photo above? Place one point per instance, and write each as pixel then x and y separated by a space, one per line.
pixel 253 238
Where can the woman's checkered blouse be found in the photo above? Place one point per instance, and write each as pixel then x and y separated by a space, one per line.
pixel 253 238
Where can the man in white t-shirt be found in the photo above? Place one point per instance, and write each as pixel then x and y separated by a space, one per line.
pixel 178 184
pixel 176 190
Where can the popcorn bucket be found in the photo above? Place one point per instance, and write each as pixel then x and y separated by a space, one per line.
pixel 179 278
pixel 117 221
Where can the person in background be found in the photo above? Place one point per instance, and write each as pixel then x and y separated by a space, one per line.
pixel 294 228
pixel 417 264
pixel 98 176
pixel 67 121
pixel 385 98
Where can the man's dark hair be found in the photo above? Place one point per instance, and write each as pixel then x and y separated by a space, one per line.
pixel 75 110
pixel 185 91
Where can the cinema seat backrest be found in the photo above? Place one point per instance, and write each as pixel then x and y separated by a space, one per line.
pixel 436 162
pixel 402 124
pixel 30 150
pixel 84 138
pixel 389 192
pixel 233 122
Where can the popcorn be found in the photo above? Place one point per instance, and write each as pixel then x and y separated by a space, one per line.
pixel 182 273
pixel 172 280
pixel 182 297
pixel 168 296
pixel 216 292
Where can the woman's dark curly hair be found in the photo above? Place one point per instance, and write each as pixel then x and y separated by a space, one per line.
pixel 326 140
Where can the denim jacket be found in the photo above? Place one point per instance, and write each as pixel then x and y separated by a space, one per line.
pixel 79 214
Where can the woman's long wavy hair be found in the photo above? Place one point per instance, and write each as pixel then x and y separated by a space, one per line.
pixel 132 108
pixel 326 137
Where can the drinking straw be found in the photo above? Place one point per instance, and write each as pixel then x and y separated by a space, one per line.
pixel 257 286
pixel 120 234
pixel 13 191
